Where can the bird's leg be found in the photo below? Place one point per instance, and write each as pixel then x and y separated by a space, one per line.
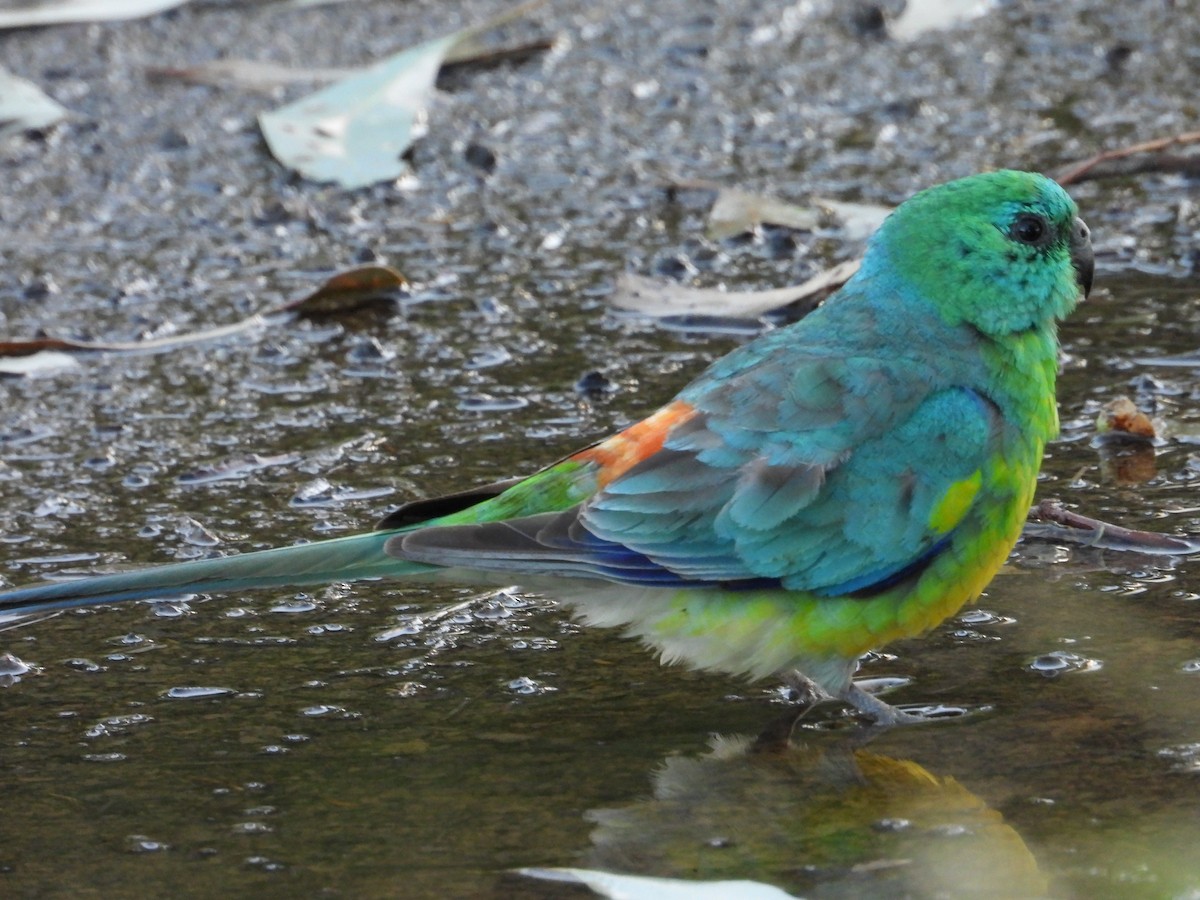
pixel 881 714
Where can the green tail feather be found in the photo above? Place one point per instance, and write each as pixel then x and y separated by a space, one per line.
pixel 340 559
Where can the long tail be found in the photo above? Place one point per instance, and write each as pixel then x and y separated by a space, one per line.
pixel 340 559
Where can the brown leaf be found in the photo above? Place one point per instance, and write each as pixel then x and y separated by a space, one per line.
pixel 343 292
pixel 1121 417
pixel 349 290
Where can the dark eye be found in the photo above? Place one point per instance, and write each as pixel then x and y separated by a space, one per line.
pixel 1028 228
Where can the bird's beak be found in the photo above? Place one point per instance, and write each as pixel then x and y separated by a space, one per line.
pixel 1082 257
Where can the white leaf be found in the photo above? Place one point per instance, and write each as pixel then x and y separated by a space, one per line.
pixel 23 106
pixel 63 11
pixel 639 887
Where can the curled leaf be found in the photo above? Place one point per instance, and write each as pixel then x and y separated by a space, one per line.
pixel 636 293
pixel 735 211
pixel 343 292
pixel 349 290
pixel 1121 418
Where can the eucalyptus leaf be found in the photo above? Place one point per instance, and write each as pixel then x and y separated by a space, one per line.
pixel 636 293
pixel 61 12
pixel 23 106
pixel 645 887
pixel 355 132
pixel 921 16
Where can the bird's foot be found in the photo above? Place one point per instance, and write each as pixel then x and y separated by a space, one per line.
pixel 805 691
pixel 884 715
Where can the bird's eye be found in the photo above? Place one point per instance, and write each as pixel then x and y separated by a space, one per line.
pixel 1028 228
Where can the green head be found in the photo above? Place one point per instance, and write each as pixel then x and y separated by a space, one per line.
pixel 1003 252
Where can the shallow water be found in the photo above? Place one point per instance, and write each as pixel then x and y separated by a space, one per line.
pixel 383 740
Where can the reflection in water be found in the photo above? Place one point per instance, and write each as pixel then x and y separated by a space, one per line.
pixel 824 818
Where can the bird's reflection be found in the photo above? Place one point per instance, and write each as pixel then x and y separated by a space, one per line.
pixel 822 817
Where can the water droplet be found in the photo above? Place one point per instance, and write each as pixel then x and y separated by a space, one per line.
pixel 252 828
pixel 12 667
pixel 1183 757
pixel 139 843
pixel 325 710
pixel 1055 663
pixel 487 358
pixel 526 685
pixel 192 532
pixel 58 506
pixel 294 606
pixel 196 692
pixel 408 628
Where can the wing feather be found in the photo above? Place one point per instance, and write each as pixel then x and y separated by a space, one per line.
pixel 834 480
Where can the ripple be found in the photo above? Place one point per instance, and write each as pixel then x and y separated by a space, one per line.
pixel 1058 662
pixel 979 617
pixel 488 403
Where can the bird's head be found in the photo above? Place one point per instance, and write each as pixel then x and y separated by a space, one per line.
pixel 1003 252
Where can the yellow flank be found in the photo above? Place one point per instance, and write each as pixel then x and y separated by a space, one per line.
pixel 953 505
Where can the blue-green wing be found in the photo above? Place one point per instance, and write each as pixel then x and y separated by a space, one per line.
pixel 827 473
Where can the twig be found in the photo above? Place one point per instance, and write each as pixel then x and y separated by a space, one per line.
pixel 1065 525
pixel 1077 172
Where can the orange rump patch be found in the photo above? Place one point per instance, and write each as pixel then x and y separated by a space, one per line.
pixel 623 450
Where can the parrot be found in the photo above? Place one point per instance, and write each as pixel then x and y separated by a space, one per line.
pixel 831 486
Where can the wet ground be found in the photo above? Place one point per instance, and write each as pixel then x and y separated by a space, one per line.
pixel 347 742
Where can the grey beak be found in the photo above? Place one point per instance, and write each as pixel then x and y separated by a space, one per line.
pixel 1082 257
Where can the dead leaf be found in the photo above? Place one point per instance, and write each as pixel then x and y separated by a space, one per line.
pixel 343 292
pixel 1121 418
pixel 247 73
pixel 348 291
pixel 355 132
pixel 23 106
pixel 40 362
pixel 636 293
pixel 63 11
pixel 735 212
